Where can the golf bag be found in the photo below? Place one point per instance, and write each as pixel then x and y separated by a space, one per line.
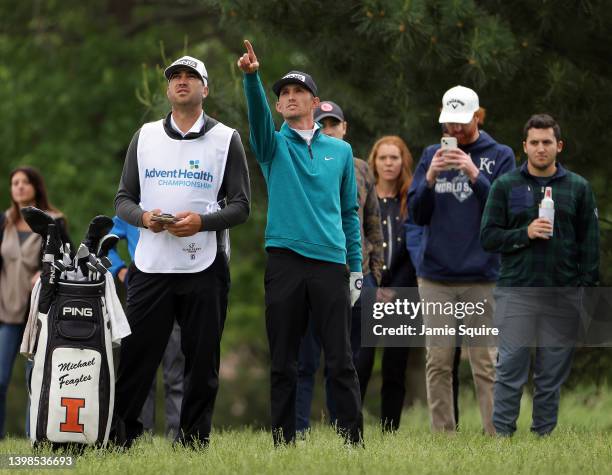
pixel 73 381
pixel 70 332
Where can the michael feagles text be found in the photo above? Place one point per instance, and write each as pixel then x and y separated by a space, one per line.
pixel 411 309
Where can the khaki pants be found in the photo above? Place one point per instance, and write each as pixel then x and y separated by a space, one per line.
pixel 441 350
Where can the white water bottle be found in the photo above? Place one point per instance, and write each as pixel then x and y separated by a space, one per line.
pixel 547 208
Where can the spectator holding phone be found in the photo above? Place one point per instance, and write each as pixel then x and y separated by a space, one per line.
pixel 447 197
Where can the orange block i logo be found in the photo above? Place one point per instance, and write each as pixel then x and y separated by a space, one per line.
pixel 73 407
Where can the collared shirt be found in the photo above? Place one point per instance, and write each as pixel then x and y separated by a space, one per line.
pixel 307 134
pixel 195 128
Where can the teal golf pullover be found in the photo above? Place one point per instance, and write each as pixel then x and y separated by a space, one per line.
pixel 312 193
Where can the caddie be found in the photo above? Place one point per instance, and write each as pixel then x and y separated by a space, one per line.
pixel 185 182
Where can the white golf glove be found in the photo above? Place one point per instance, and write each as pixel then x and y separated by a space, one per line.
pixel 355 283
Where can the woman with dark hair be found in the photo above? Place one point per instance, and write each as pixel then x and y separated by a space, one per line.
pixel 20 261
pixel 391 162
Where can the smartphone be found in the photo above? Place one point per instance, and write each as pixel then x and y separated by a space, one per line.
pixel 165 218
pixel 448 143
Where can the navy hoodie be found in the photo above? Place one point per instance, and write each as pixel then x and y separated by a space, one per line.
pixel 451 210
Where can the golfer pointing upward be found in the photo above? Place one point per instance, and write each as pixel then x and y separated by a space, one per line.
pixel 312 234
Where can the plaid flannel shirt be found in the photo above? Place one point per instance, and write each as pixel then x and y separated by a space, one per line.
pixel 569 258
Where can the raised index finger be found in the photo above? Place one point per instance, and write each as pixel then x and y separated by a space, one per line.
pixel 249 48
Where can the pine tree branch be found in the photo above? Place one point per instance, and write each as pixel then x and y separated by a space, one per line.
pixel 168 16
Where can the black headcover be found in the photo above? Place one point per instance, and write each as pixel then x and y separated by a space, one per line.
pixel 98 228
pixel 38 220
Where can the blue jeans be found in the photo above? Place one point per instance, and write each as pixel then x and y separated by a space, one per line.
pixel 10 340
pixel 524 323
pixel 308 364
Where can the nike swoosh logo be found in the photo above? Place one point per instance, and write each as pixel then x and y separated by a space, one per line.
pixel 329 158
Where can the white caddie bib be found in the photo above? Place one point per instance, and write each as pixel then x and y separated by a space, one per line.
pixel 179 175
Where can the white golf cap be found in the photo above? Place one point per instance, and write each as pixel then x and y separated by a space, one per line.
pixel 189 63
pixel 458 105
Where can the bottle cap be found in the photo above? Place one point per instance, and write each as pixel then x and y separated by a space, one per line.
pixel 548 192
pixel 547 201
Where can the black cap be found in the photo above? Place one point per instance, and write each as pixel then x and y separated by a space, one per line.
pixel 328 109
pixel 295 77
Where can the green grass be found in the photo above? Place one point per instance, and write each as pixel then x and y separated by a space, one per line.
pixel 582 443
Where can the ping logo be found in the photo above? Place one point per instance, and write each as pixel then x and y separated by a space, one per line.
pixel 77 312
pixel 73 407
pixel 194 164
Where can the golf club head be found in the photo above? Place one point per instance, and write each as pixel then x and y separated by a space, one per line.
pixel 59 265
pixel 81 258
pixel 37 219
pixel 67 261
pixel 67 250
pixel 98 227
pixel 93 260
pixel 106 244
pixel 82 252
pixel 101 269
pixel 92 270
pixel 106 262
